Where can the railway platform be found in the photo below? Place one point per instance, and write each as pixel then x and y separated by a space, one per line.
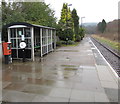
pixel 70 74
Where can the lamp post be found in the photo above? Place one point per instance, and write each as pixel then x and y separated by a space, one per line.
pixel 81 21
pixel 69 4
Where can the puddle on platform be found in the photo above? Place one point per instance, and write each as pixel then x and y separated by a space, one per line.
pixel 86 67
pixel 40 81
pixel 70 68
pixel 68 74
pixel 89 51
pixel 68 65
pixel 15 86
pixel 63 74
pixel 37 89
pixel 67 58
pixel 67 51
pixel 90 54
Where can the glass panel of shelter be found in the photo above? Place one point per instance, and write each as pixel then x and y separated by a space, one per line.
pixel 13 42
pixel 44 38
pixel 49 36
pixel 44 41
pixel 28 43
pixel 13 33
pixel 36 36
pixel 20 32
pixel 49 40
pixel 27 32
pixel 53 39
pixel 13 37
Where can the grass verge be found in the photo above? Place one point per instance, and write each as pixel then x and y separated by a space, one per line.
pixel 112 44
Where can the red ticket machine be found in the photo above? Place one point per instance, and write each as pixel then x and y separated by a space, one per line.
pixel 7 51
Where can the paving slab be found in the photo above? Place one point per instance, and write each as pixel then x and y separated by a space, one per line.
pixel 61 92
pixel 101 97
pixel 0 91
pixel 88 87
pixel 82 95
pixel 37 89
pixel 55 99
pixel 104 73
pixel 112 94
pixel 16 96
pixel 109 84
pixel 5 84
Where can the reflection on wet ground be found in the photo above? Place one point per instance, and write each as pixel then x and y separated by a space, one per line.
pixel 58 76
pixel 66 50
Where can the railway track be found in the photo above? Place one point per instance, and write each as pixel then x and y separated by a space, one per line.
pixel 112 57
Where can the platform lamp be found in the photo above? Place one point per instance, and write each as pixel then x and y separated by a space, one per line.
pixel 69 4
pixel 82 21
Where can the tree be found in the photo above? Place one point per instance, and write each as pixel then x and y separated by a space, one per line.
pixel 81 33
pixel 11 12
pixel 68 26
pixel 99 25
pixel 31 12
pixel 39 13
pixel 65 24
pixel 75 24
pixel 102 26
pixel 63 18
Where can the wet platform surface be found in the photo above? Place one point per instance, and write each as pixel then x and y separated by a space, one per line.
pixel 71 74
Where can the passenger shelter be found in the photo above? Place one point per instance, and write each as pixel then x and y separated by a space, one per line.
pixel 37 37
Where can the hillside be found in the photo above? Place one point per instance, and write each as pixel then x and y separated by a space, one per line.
pixel 112 27
pixel 111 31
pixel 90 27
pixel 90 24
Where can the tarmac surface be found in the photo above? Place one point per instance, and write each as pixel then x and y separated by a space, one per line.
pixel 70 74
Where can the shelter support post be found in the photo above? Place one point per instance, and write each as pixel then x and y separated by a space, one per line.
pixel 51 40
pixel 47 38
pixel 41 42
pixel 55 39
pixel 32 43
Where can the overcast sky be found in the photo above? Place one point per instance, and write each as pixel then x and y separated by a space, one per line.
pixel 92 10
